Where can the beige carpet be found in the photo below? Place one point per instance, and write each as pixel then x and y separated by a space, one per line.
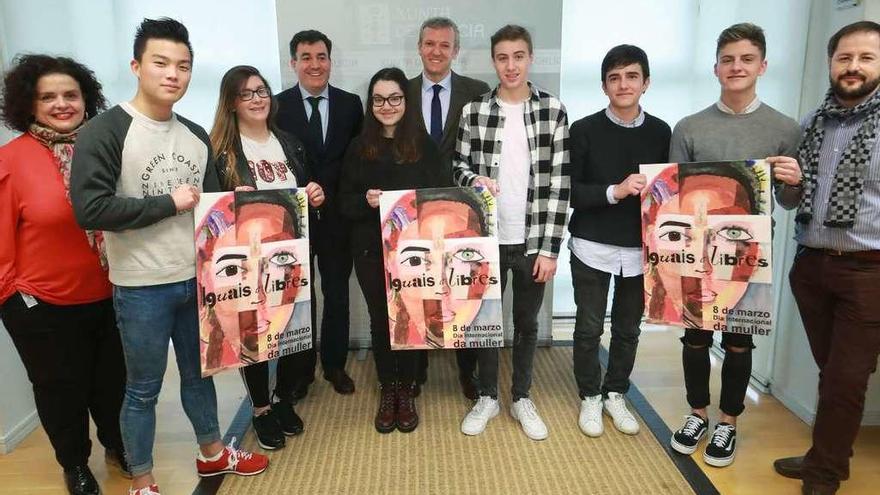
pixel 341 453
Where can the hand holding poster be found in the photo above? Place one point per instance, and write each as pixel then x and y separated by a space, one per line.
pixel 252 269
pixel 706 232
pixel 441 258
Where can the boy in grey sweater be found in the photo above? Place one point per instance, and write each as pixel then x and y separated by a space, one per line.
pixel 738 126
pixel 137 174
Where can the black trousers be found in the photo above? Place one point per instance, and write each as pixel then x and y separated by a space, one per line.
pixel 465 358
pixel 591 298
pixel 331 248
pixel 73 357
pixel 527 298
pixel 391 366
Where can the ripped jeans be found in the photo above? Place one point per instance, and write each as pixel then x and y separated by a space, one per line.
pixel 735 371
pixel 148 317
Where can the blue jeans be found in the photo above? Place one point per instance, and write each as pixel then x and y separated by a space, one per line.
pixel 147 318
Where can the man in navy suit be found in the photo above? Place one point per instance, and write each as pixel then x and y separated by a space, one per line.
pixel 439 94
pixel 325 119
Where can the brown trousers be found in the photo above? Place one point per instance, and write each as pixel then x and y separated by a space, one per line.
pixel 839 302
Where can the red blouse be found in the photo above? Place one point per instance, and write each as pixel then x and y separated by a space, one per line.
pixel 43 252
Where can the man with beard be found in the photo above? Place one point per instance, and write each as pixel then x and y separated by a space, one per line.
pixel 835 273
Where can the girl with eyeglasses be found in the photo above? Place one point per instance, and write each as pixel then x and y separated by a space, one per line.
pixel 391 153
pixel 252 153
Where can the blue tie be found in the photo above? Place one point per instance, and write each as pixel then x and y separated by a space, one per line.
pixel 436 115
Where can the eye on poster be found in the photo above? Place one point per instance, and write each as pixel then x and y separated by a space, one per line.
pixel 443 283
pixel 252 270
pixel 706 233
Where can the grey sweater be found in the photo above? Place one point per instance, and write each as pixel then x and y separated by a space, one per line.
pixel 124 170
pixel 712 135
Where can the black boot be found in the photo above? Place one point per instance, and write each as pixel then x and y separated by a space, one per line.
pixel 81 481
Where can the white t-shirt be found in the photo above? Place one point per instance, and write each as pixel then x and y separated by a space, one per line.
pixel 267 163
pixel 514 173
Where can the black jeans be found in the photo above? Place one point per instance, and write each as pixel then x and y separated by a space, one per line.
pixel 331 248
pixel 74 360
pixel 527 298
pixel 391 366
pixel 591 298
pixel 735 372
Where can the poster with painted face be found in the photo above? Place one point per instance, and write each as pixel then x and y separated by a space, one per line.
pixel 252 270
pixel 706 232
pixel 443 281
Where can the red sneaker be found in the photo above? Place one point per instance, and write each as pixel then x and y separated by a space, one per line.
pixel 232 461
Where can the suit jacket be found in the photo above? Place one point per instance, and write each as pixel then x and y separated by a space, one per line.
pixel 464 89
pixel 346 113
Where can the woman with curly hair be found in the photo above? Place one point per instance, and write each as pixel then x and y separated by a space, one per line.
pixel 54 291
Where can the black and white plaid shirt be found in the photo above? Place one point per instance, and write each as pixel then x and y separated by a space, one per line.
pixel 478 153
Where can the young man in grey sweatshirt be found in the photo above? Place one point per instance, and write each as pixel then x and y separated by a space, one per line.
pixel 137 174
pixel 738 126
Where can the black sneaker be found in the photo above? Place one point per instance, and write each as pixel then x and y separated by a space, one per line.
pixel 291 423
pixel 116 458
pixel 268 430
pixel 81 481
pixel 685 440
pixel 722 446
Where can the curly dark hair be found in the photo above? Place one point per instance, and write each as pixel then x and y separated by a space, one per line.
pixel 20 87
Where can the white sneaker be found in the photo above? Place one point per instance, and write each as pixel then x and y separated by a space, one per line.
pixel 526 413
pixel 624 421
pixel 476 420
pixel 590 418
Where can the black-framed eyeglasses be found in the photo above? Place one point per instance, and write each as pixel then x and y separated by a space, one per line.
pixel 393 100
pixel 248 94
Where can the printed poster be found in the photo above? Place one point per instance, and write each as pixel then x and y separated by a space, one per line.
pixel 252 270
pixel 443 282
pixel 706 232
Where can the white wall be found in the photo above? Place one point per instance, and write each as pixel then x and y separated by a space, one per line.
pixel 795 375
pixel 100 33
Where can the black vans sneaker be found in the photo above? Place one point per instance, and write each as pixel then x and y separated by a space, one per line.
pixel 268 430
pixel 722 446
pixel 685 440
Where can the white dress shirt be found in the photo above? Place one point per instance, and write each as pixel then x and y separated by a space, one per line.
pixel 323 107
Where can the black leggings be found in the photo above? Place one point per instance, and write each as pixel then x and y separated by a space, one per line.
pixel 391 366
pixel 256 380
pixel 735 371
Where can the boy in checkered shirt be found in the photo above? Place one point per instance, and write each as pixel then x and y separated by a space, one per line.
pixel 514 141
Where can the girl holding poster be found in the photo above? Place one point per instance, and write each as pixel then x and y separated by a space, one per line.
pixel 391 153
pixel 254 154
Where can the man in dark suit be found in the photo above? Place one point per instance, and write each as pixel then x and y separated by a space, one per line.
pixel 439 95
pixel 325 119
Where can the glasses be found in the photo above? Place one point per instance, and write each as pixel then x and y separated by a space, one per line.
pixel 393 100
pixel 248 94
